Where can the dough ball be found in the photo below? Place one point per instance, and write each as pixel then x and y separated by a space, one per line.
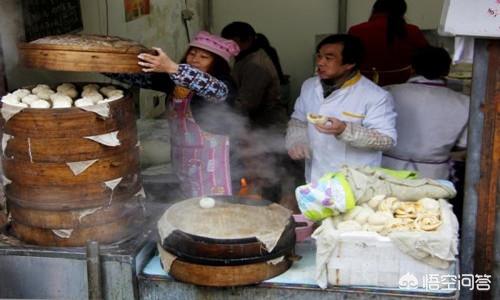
pixel 316 119
pixel 84 102
pixel 60 96
pixel 107 89
pixel 65 86
pixel 72 93
pixel 207 202
pixel 93 95
pixel 117 94
pixel 21 93
pixel 40 87
pixel 30 99
pixel 363 215
pixel 91 86
pixel 375 201
pixel 10 99
pixel 45 94
pixel 62 101
pixel 40 104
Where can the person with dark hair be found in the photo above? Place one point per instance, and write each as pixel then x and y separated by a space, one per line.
pixel 340 117
pixel 200 159
pixel 389 42
pixel 256 79
pixel 432 119
pixel 258 99
pixel 263 43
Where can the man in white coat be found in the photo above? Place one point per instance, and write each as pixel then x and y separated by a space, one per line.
pixel 432 119
pixel 360 115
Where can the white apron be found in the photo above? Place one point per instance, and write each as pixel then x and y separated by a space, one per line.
pixel 432 119
pixel 358 101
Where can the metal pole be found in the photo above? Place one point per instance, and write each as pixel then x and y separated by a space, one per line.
pixel 94 271
pixel 342 22
pixel 473 163
pixel 3 81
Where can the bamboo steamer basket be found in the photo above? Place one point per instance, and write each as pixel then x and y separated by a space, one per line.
pixel 45 197
pixel 83 53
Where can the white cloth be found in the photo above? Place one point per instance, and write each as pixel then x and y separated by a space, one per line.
pixel 437 249
pixel 432 119
pixel 362 103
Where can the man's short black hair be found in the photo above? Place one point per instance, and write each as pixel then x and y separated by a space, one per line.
pixel 352 51
pixel 431 62
pixel 241 30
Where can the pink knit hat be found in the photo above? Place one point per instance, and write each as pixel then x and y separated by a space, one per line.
pixel 215 44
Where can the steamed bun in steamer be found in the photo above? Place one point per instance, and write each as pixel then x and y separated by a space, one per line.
pixel 65 86
pixel 72 93
pixel 30 99
pixel 40 87
pixel 21 93
pixel 10 99
pixel 45 94
pixel 91 86
pixel 84 102
pixel 105 90
pixel 61 101
pixel 40 104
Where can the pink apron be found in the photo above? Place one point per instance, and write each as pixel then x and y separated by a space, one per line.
pixel 200 159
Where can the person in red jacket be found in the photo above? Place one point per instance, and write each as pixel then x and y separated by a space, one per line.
pixel 389 43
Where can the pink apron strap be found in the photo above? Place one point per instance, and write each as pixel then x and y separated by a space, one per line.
pixel 200 159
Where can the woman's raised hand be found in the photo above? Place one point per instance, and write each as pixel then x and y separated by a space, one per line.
pixel 157 63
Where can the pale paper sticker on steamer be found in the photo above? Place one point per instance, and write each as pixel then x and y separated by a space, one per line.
pixel 107 139
pixel 87 212
pixel 142 197
pixel 5 140
pixel 8 111
pixel 63 233
pixel 100 109
pixel 275 261
pixel 112 185
pixel 167 259
pixel 5 180
pixel 141 193
pixel 29 150
pixel 80 166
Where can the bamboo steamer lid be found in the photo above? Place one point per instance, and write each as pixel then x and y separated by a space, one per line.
pixel 83 53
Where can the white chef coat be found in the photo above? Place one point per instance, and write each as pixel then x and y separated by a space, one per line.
pixel 432 119
pixel 358 101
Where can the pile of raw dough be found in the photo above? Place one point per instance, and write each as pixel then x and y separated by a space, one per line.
pixel 42 96
pixel 387 214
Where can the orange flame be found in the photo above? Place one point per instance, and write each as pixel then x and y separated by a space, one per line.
pixel 246 188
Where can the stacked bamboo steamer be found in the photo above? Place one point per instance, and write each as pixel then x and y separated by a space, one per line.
pixel 72 174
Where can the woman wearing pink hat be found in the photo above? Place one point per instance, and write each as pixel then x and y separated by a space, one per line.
pixel 197 87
